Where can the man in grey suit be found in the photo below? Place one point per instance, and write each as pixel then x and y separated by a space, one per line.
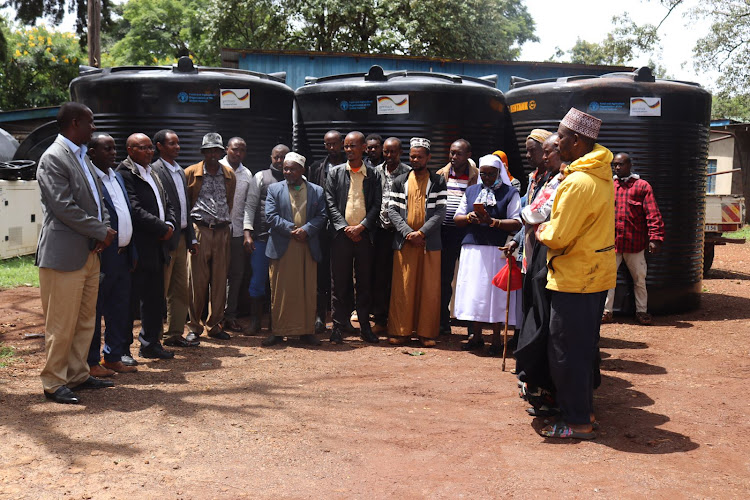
pixel 176 272
pixel 75 229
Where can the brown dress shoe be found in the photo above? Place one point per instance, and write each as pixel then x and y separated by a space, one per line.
pixel 119 367
pixel 427 342
pixel 398 340
pixel 232 325
pixel 99 371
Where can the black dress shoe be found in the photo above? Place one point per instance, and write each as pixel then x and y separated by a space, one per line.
pixel 310 340
pixel 271 340
pixel 367 335
pixel 94 383
pixel 181 342
pixel 128 360
pixel 476 342
pixel 336 336
pixel 220 335
pixel 232 325
pixel 192 337
pixel 445 329
pixel 62 395
pixel 155 351
pixel 320 327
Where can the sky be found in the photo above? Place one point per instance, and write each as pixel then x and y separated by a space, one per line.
pixel 560 24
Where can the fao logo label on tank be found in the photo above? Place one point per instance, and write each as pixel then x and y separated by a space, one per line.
pixel 355 105
pixel 182 97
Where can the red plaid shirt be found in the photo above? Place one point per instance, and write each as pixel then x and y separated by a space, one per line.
pixel 637 216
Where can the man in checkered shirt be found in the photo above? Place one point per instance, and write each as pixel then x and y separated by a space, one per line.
pixel 638 225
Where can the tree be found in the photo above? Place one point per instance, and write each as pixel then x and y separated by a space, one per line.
pixel 39 65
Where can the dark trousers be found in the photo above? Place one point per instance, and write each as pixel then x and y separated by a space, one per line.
pixel 345 256
pixel 111 304
pixel 383 274
pixel 238 276
pixel 451 237
pixel 573 351
pixel 147 295
pixel 324 275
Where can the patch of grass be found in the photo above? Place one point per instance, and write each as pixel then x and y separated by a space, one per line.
pixel 6 355
pixel 18 271
pixel 738 235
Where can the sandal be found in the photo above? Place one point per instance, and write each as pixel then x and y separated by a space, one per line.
pixel 542 411
pixel 561 430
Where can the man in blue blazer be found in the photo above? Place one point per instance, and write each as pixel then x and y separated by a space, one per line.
pixel 118 261
pixel 75 229
pixel 296 214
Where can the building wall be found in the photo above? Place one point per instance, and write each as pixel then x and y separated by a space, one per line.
pixel 721 149
pixel 299 65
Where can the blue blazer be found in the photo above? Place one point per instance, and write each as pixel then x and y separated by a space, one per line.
pixel 109 253
pixel 279 218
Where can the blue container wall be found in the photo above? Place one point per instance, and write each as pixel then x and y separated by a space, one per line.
pixel 298 66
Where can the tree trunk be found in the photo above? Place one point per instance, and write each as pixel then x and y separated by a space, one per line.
pixel 94 28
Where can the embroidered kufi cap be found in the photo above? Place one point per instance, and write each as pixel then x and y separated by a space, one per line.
pixel 539 135
pixel 296 158
pixel 419 142
pixel 582 123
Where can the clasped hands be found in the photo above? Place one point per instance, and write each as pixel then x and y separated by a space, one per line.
pixel 354 233
pixel 107 241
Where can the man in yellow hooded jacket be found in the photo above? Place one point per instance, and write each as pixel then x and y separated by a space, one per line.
pixel 581 268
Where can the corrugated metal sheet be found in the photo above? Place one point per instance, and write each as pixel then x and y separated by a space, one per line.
pixel 298 65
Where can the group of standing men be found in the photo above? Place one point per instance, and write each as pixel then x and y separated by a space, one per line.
pixel 375 235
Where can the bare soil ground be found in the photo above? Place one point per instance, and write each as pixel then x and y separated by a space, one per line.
pixel 234 420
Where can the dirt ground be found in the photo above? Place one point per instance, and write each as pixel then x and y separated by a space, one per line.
pixel 234 420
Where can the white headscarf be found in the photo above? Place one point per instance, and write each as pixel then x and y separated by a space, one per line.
pixel 487 194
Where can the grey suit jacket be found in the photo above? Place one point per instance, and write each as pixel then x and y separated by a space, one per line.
pixel 70 221
pixel 279 217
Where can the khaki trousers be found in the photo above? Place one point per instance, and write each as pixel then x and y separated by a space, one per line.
pixel 636 264
pixel 69 306
pixel 176 290
pixel 208 267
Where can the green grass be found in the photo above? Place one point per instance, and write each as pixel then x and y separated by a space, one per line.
pixel 6 355
pixel 18 271
pixel 742 233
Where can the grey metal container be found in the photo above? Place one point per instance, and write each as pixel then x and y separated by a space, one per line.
pixel 664 126
pixel 406 104
pixel 192 101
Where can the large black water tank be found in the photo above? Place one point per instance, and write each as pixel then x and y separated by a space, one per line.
pixel 192 101
pixel 664 126
pixel 406 104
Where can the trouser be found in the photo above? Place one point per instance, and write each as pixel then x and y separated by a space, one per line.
pixel 114 293
pixel 69 306
pixel 636 263
pixel 324 275
pixel 345 255
pixel 383 275
pixel 239 269
pixel 208 268
pixel 176 290
pixel 572 351
pixel 259 264
pixel 147 294
pixel 451 237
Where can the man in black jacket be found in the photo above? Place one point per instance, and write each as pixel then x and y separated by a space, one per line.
pixel 353 195
pixel 172 177
pixel 153 226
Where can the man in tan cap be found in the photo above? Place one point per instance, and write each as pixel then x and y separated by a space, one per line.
pixel 211 187
pixel 581 268
pixel 296 215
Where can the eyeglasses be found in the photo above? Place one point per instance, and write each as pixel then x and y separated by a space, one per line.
pixel 488 174
pixel 144 148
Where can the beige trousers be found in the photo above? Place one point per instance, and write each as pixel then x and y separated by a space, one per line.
pixel 636 263
pixel 208 268
pixel 176 290
pixel 69 306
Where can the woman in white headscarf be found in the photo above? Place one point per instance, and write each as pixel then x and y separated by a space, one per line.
pixel 491 212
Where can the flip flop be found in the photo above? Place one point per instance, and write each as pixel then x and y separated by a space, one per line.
pixel 543 411
pixel 561 430
pixel 548 421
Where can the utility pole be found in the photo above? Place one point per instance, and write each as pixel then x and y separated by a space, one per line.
pixel 94 28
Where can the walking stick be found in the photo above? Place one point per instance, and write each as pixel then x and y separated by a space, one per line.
pixel 507 312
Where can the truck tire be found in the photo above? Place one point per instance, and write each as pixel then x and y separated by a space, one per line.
pixel 708 257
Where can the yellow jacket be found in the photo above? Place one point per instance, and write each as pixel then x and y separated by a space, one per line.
pixel 581 232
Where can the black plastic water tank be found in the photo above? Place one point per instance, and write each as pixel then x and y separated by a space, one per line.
pixel 192 101
pixel 406 104
pixel 664 126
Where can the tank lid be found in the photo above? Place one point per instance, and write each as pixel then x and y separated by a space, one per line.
pixel 642 74
pixel 378 74
pixel 184 65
